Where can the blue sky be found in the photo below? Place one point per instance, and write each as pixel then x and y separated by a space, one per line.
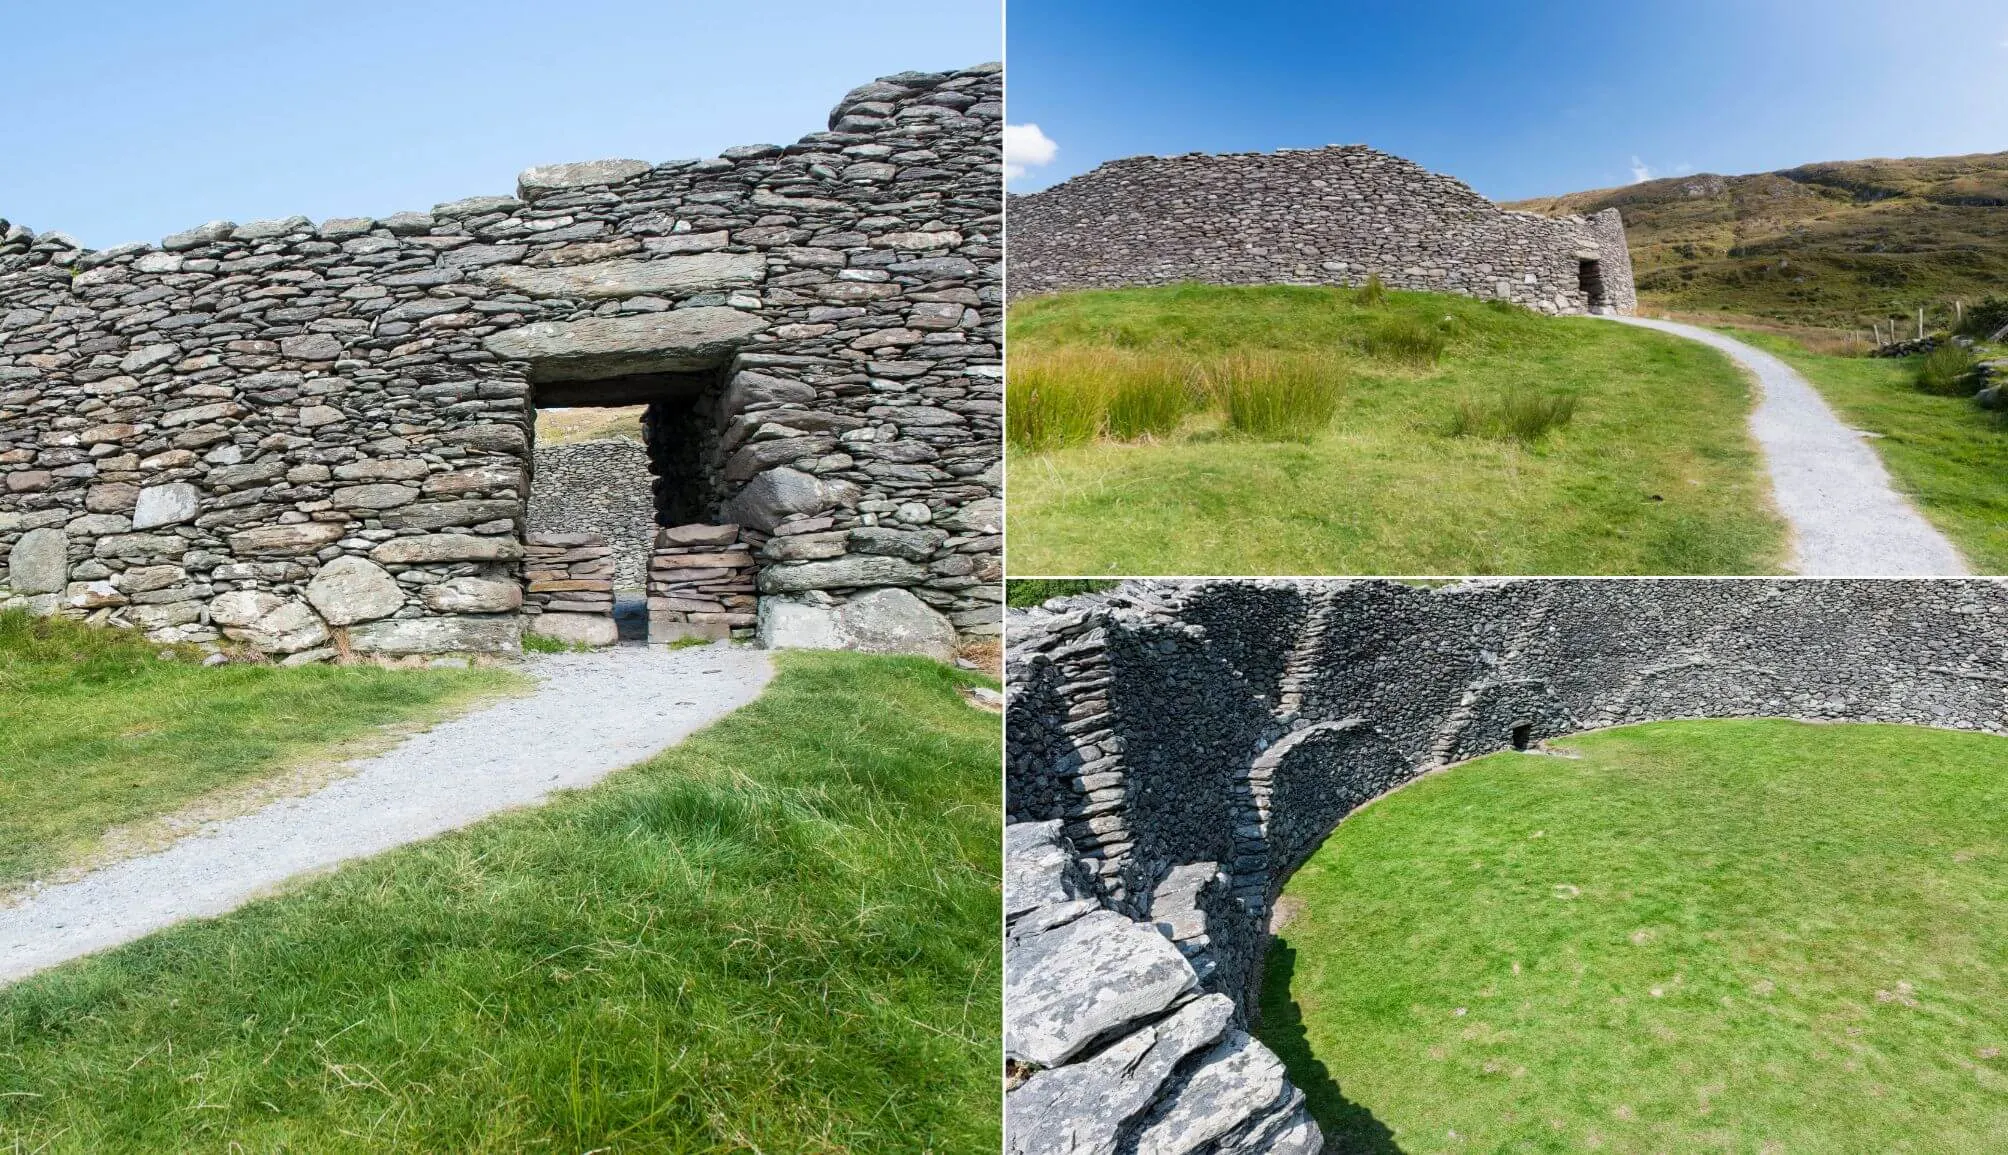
pixel 1518 99
pixel 131 120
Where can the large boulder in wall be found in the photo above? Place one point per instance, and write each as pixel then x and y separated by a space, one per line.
pixel 884 621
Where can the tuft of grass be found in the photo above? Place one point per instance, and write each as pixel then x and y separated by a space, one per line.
pixel 102 729
pixel 1148 396
pixel 1372 293
pixel 540 644
pixel 778 935
pixel 1405 339
pixel 1688 936
pixel 1055 401
pixel 1518 414
pixel 1024 592
pixel 1947 371
pixel 1277 397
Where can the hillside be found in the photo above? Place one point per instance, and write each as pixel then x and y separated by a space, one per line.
pixel 1835 243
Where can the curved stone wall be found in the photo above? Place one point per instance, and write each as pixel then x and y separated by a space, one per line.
pixel 285 432
pixel 603 488
pixel 1175 751
pixel 1322 216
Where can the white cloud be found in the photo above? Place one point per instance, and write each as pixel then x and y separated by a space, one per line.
pixel 1640 171
pixel 1026 147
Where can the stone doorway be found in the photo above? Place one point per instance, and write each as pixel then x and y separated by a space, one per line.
pixel 1590 279
pixel 622 457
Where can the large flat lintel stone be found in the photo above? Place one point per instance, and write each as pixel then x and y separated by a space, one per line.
pixel 680 340
pixel 616 279
pixel 548 178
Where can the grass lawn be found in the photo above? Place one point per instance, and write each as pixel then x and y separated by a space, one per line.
pixel 780 935
pixel 1947 454
pixel 1735 936
pixel 1652 473
pixel 98 733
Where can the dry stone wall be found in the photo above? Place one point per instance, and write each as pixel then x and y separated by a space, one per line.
pixel 1323 216
pixel 288 432
pixel 598 487
pixel 1175 751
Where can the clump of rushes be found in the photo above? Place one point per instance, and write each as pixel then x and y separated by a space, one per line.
pixel 1277 396
pixel 1372 294
pixel 1517 415
pixel 1148 395
pixel 1054 400
pixel 1947 371
pixel 1406 339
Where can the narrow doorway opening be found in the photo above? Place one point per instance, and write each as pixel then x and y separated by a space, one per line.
pixel 1590 279
pixel 1523 735
pixel 619 457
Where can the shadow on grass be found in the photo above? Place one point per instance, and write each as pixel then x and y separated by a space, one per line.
pixel 1350 1128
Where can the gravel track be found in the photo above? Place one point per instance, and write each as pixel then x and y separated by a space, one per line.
pixel 590 714
pixel 1846 519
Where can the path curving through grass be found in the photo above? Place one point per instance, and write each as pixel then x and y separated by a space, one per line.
pixel 1847 519
pixel 1685 936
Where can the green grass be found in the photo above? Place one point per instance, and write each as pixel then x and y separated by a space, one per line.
pixel 1947 454
pixel 780 935
pixel 1948 372
pixel 98 732
pixel 1642 463
pixel 1024 592
pixel 1749 936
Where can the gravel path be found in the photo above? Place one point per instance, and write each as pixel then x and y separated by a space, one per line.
pixel 1846 519
pixel 590 715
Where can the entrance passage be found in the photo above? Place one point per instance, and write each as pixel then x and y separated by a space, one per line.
pixel 1590 279
pixel 1523 734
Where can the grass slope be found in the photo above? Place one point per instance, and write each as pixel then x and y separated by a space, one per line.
pixel 97 732
pixel 1749 936
pixel 1653 474
pixel 780 935
pixel 1947 454
pixel 1829 244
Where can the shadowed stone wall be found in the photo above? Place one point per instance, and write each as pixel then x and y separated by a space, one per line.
pixel 281 432
pixel 1322 216
pixel 1175 751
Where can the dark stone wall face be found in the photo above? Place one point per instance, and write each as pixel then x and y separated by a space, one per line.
pixel 1323 216
pixel 192 436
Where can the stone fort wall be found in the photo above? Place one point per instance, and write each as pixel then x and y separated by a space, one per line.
pixel 1176 750
pixel 600 487
pixel 308 435
pixel 1323 216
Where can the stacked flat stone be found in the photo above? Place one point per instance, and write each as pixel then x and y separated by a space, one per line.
pixel 1321 216
pixel 1175 751
pixel 229 414
pixel 701 583
pixel 599 487
pixel 568 573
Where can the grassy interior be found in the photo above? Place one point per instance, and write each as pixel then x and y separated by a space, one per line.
pixel 589 423
pixel 98 732
pixel 1947 454
pixel 780 935
pixel 1750 936
pixel 1457 437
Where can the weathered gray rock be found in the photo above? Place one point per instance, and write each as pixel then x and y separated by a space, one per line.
pixel 893 621
pixel 680 340
pixel 353 589
pixel 576 629
pixel 1039 868
pixel 1084 1107
pixel 284 540
pixel 39 563
pixel 1237 1084
pixel 791 625
pixel 775 496
pixel 445 547
pixel 472 595
pixel 287 629
pixel 198 236
pixel 438 635
pixel 241 608
pixel 549 178
pixel 170 504
pixel 616 279
pixel 1091 977
pixel 843 573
